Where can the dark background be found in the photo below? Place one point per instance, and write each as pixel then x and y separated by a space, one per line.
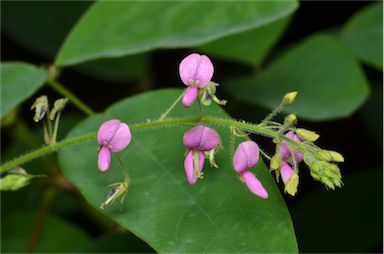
pixel 345 220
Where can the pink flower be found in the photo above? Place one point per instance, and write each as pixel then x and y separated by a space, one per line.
pixel 113 136
pixel 286 153
pixel 198 140
pixel 254 185
pixel 195 71
pixel 202 138
pixel 246 156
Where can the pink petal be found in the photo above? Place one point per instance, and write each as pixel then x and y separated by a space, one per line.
pixel 286 171
pixel 197 68
pixel 204 72
pixel 190 96
pixel 254 185
pixel 121 139
pixel 202 138
pixel 246 156
pixel 188 166
pixel 107 130
pixel 104 159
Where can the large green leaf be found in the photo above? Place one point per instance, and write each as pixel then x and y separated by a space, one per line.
pixel 364 34
pixel 18 82
pixel 218 214
pixel 329 81
pixel 250 47
pixel 52 21
pixel 112 29
pixel 56 235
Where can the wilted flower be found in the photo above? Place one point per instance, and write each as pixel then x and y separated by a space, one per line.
pixel 198 140
pixel 286 153
pixel 195 71
pixel 113 136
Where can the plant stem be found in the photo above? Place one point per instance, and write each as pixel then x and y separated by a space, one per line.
pixel 73 98
pixel 259 129
pixel 56 127
pixel 163 115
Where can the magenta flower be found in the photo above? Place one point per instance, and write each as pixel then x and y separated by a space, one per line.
pixel 286 153
pixel 195 71
pixel 246 157
pixel 198 140
pixel 113 136
pixel 201 138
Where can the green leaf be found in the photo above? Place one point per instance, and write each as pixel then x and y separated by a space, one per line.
pixel 215 215
pixel 112 29
pixel 364 35
pixel 329 81
pixel 250 47
pixel 56 234
pixel 117 69
pixel 18 82
pixel 52 21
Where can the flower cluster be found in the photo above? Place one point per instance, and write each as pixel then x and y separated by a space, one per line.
pixel 293 145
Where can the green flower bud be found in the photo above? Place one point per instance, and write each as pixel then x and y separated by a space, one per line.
pixel 289 98
pixel 57 107
pixel 290 120
pixel 41 106
pixel 291 186
pixel 275 162
pixel 307 135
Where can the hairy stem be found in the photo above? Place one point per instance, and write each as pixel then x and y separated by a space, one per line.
pixel 259 129
pixel 73 98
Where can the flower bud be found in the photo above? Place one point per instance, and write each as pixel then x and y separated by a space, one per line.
pixel 41 106
pixel 291 185
pixel 286 172
pixel 286 153
pixel 246 156
pixel 307 135
pixel 290 120
pixel 289 98
pixel 57 107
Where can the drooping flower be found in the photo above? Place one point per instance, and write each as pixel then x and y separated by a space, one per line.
pixel 196 72
pixel 113 136
pixel 286 153
pixel 245 158
pixel 198 140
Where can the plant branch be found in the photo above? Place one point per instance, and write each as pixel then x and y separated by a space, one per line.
pixel 259 129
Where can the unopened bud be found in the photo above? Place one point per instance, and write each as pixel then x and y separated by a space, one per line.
pixel 275 162
pixel 57 107
pixel 337 157
pixel 291 186
pixel 289 98
pixel 290 120
pixel 41 106
pixel 307 135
